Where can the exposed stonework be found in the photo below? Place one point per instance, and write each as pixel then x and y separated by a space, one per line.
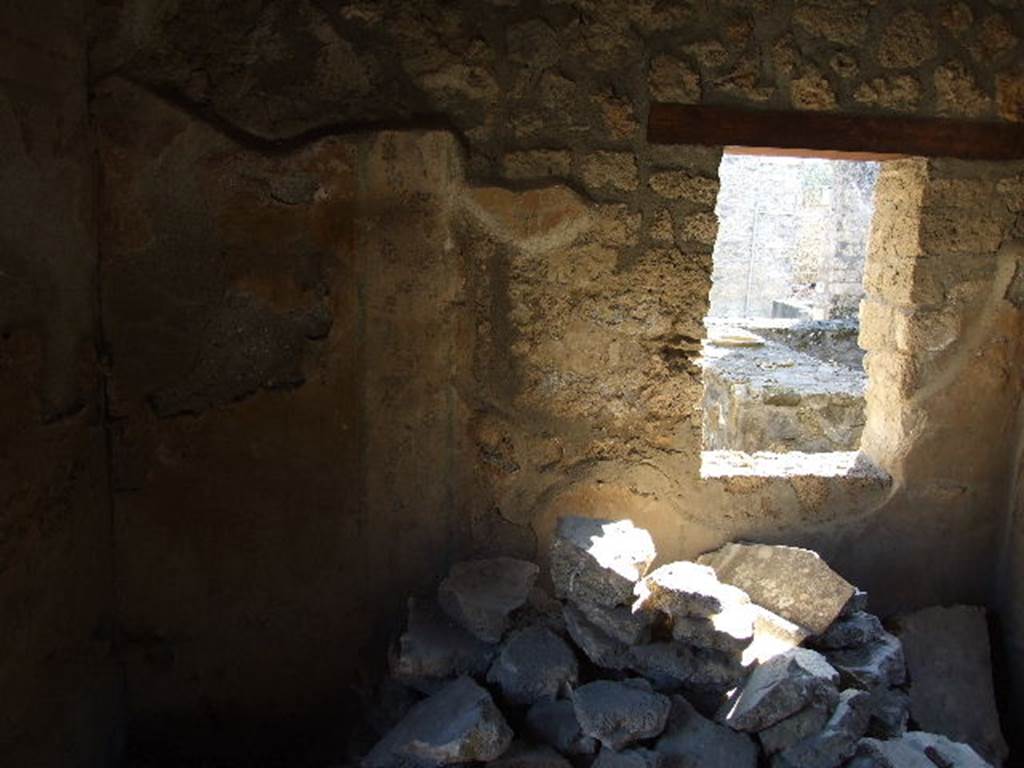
pixel 537 164
pixel 327 358
pixel 791 230
pixel 813 91
pixel 672 80
pixel 843 23
pixel 551 349
pixel 773 398
pixel 958 93
pixel 898 93
pixel 908 40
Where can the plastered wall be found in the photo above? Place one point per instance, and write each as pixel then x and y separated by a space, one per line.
pixel 382 285
pixel 61 685
pixel 342 358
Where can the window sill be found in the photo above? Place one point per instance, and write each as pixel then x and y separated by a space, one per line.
pixel 851 465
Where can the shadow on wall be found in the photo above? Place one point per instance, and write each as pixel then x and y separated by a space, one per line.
pixel 282 483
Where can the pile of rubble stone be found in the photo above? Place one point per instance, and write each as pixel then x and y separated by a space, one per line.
pixel 753 654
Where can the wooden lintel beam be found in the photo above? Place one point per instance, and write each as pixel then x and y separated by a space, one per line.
pixel 825 132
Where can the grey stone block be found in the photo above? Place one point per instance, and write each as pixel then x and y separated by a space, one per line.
pixel 834 743
pixel 458 724
pixel 687 589
pixel 730 631
pixel 595 644
pixel 687 665
pixel 878 664
pixel 620 623
pixel 617 714
pixel 480 594
pixel 540 609
pixel 890 711
pixel 691 740
pixel 797 727
pixel 951 692
pixel 792 582
pixel 599 561
pixel 434 648
pixel 850 631
pixel 917 749
pixel 781 687
pixel 523 755
pixel 627 758
pixel 773 635
pixel 533 664
pixel 554 723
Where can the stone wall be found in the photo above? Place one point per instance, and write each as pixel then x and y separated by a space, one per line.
pixel 792 230
pixel 852 210
pixel 287 429
pixel 1010 595
pixel 61 689
pixel 775 398
pixel 942 328
pixel 387 284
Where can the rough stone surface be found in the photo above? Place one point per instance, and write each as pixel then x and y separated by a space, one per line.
pixel 610 171
pixel 678 185
pixel 433 648
pixel 948 659
pixel 797 727
pixel 691 740
pixel 687 589
pixel 554 723
pixel 849 631
pixel 834 743
pixel 480 594
pixel 775 398
pixel 916 749
pixel 524 755
pixel 599 561
pixel 540 609
pixel 533 664
pixel 537 164
pixel 898 93
pixel 907 41
pixel 794 583
pixel 353 467
pixel 858 602
pixel 878 663
pixel 617 714
pixel 620 623
pixel 772 635
pixel 813 91
pixel 458 724
pixel 673 80
pixel 601 649
pixel 781 687
pixel 627 758
pixel 890 712
pixel 730 630
pixel 681 664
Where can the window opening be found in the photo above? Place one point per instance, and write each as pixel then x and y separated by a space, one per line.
pixel 783 372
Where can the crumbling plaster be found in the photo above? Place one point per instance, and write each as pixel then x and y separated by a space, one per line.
pixel 341 356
